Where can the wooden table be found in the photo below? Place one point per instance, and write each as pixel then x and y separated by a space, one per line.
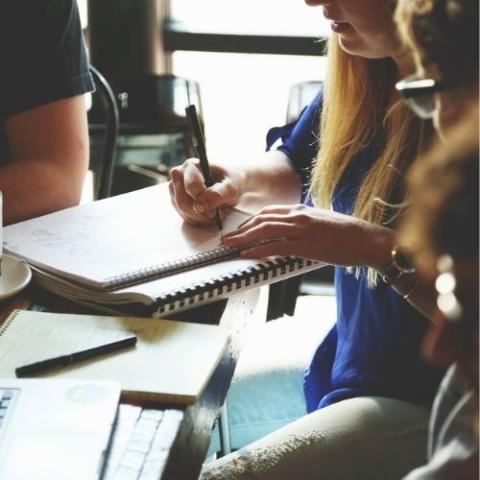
pixel 237 314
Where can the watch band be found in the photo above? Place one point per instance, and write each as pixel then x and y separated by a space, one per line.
pixel 401 265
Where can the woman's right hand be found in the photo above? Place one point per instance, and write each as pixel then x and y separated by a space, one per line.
pixel 194 201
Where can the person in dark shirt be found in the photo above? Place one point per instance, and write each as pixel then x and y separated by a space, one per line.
pixel 43 124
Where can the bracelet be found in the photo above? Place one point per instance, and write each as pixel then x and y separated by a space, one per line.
pixel 401 264
pixel 415 285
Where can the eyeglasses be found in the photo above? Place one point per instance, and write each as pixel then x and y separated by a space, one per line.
pixel 452 307
pixel 418 94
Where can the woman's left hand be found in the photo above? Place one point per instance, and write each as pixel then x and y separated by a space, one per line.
pixel 312 233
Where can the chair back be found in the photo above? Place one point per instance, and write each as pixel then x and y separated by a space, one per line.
pixel 104 169
pixel 300 95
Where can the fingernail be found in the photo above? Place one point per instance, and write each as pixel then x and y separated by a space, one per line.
pixel 198 208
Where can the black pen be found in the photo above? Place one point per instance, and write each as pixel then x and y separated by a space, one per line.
pixel 65 360
pixel 199 146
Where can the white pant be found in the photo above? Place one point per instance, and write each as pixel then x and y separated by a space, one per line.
pixel 365 438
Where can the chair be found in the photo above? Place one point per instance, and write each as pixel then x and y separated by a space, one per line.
pixel 154 134
pixel 104 167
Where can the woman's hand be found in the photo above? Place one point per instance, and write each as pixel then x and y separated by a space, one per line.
pixel 194 201
pixel 315 234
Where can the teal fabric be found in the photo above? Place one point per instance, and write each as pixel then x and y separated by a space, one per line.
pixel 267 388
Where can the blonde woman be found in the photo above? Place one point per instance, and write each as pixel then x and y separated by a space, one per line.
pixel 367 391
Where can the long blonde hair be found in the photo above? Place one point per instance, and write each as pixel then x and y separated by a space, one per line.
pixel 358 110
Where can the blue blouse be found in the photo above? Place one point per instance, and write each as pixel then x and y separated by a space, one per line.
pixel 374 348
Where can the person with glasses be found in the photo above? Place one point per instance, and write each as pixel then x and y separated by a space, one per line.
pixel 367 390
pixel 444 37
pixel 44 150
pixel 441 225
pixel 441 230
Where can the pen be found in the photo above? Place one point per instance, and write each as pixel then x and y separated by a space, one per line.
pixel 199 146
pixel 65 360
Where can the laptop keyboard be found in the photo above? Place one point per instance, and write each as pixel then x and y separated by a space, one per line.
pixel 6 397
pixel 141 443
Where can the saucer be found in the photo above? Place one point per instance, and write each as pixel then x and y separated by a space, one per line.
pixel 15 275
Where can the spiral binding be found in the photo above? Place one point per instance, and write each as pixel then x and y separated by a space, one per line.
pixel 8 321
pixel 168 268
pixel 219 286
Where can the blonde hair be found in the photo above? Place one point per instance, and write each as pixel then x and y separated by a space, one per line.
pixel 357 111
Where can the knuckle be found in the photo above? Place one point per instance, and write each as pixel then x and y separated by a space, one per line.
pixel 175 174
pixel 266 210
pixel 192 163
pixel 264 227
pixel 302 218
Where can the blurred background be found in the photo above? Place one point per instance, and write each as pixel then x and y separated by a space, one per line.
pixel 243 94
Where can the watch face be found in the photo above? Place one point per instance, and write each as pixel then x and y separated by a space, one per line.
pixel 403 262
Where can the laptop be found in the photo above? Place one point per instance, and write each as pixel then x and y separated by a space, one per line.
pixel 55 429
pixel 52 429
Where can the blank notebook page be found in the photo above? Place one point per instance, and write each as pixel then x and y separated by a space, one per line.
pixel 172 360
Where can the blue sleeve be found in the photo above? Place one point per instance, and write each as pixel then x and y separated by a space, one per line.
pixel 300 140
pixel 42 53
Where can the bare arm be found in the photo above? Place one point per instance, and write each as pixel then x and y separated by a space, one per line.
pixel 270 180
pixel 48 159
pixel 253 184
pixel 330 237
pixel 419 292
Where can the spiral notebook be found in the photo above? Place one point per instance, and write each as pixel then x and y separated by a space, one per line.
pixel 133 253
pixel 172 361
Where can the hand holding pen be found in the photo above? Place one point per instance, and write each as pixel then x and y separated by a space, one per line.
pixel 201 152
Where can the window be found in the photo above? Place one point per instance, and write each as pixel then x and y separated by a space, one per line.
pixel 82 7
pixel 291 17
pixel 245 94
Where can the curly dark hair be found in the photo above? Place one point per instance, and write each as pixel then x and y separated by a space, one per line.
pixel 444 34
pixel 443 217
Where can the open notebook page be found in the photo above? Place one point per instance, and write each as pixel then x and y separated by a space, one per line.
pixel 116 236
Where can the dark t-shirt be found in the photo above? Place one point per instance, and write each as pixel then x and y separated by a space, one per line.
pixel 374 347
pixel 42 57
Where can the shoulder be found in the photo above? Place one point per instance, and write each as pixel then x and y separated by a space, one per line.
pixel 20 14
pixel 42 54
pixel 314 109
